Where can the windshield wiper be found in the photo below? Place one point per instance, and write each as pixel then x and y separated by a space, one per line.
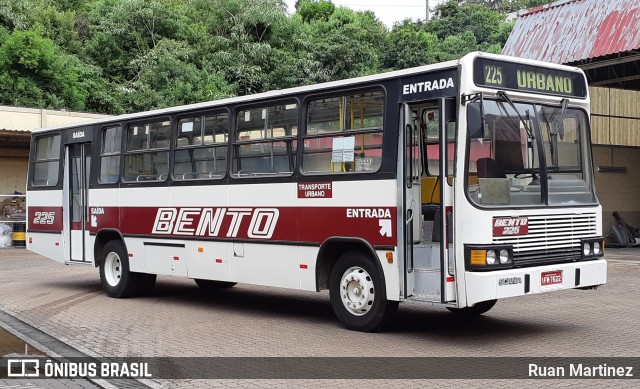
pixel 530 135
pixel 555 127
pixel 559 125
pixel 506 98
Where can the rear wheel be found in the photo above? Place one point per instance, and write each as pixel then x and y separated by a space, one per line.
pixel 210 284
pixel 115 276
pixel 476 310
pixel 357 293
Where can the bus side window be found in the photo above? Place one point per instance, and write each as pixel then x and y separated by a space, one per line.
pixel 265 141
pixel 147 152
pixel 46 166
pixel 111 140
pixel 344 134
pixel 201 148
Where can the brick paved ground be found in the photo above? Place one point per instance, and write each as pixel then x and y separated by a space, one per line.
pixel 179 319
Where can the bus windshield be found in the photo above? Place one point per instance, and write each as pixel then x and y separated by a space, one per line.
pixel 530 154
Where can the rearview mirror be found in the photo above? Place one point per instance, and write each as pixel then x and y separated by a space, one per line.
pixel 475 120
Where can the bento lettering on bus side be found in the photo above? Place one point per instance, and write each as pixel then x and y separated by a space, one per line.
pixel 209 221
pixel 427 86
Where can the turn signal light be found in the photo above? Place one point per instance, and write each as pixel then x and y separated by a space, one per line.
pixel 478 257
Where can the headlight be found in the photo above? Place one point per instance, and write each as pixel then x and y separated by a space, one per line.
pixel 592 247
pixel 504 256
pixel 596 248
pixel 491 257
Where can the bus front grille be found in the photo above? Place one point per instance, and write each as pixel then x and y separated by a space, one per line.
pixel 551 238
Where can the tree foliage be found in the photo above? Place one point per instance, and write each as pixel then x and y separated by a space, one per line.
pixel 116 56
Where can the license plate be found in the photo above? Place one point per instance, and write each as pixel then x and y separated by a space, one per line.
pixel 551 278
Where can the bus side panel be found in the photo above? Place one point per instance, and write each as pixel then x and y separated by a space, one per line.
pixel 209 260
pixel 131 200
pixel 391 274
pixel 266 264
pixel 47 245
pixel 137 256
pixel 44 224
pixel 307 256
pixel 104 213
pixel 206 259
pixel 364 209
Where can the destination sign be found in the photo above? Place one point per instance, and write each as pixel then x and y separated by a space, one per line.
pixel 516 76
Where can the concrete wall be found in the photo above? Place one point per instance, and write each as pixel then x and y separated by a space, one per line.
pixel 13 170
pixel 17 118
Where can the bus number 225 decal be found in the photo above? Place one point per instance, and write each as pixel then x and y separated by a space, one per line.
pixel 44 217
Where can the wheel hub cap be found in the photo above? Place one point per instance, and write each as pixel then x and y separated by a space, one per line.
pixel 356 291
pixel 113 269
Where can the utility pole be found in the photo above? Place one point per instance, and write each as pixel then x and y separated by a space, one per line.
pixel 427 10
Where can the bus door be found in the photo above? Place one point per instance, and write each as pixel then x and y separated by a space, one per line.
pixel 411 199
pixel 428 199
pixel 76 193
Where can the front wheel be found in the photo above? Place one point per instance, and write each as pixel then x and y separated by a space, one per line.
pixel 357 293
pixel 476 310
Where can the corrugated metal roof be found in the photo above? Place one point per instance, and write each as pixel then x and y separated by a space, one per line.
pixel 568 31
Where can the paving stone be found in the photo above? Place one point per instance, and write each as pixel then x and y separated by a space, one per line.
pixel 180 319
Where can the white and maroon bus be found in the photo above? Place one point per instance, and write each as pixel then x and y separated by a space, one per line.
pixel 455 184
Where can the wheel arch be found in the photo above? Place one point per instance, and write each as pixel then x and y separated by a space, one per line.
pixel 102 237
pixel 332 248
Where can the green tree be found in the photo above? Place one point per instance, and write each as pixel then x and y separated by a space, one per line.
pixel 236 40
pixel 116 56
pixel 453 19
pixel 506 6
pixel 35 72
pixel 409 45
pixel 311 10
pixel 349 44
pixel 167 77
pixel 123 30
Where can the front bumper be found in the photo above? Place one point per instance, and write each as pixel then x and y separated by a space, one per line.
pixel 483 286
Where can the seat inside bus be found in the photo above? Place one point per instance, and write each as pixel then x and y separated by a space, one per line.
pixel 430 194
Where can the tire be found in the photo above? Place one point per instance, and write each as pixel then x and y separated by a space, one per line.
pixel 210 284
pixel 358 295
pixel 115 276
pixel 146 282
pixel 476 310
